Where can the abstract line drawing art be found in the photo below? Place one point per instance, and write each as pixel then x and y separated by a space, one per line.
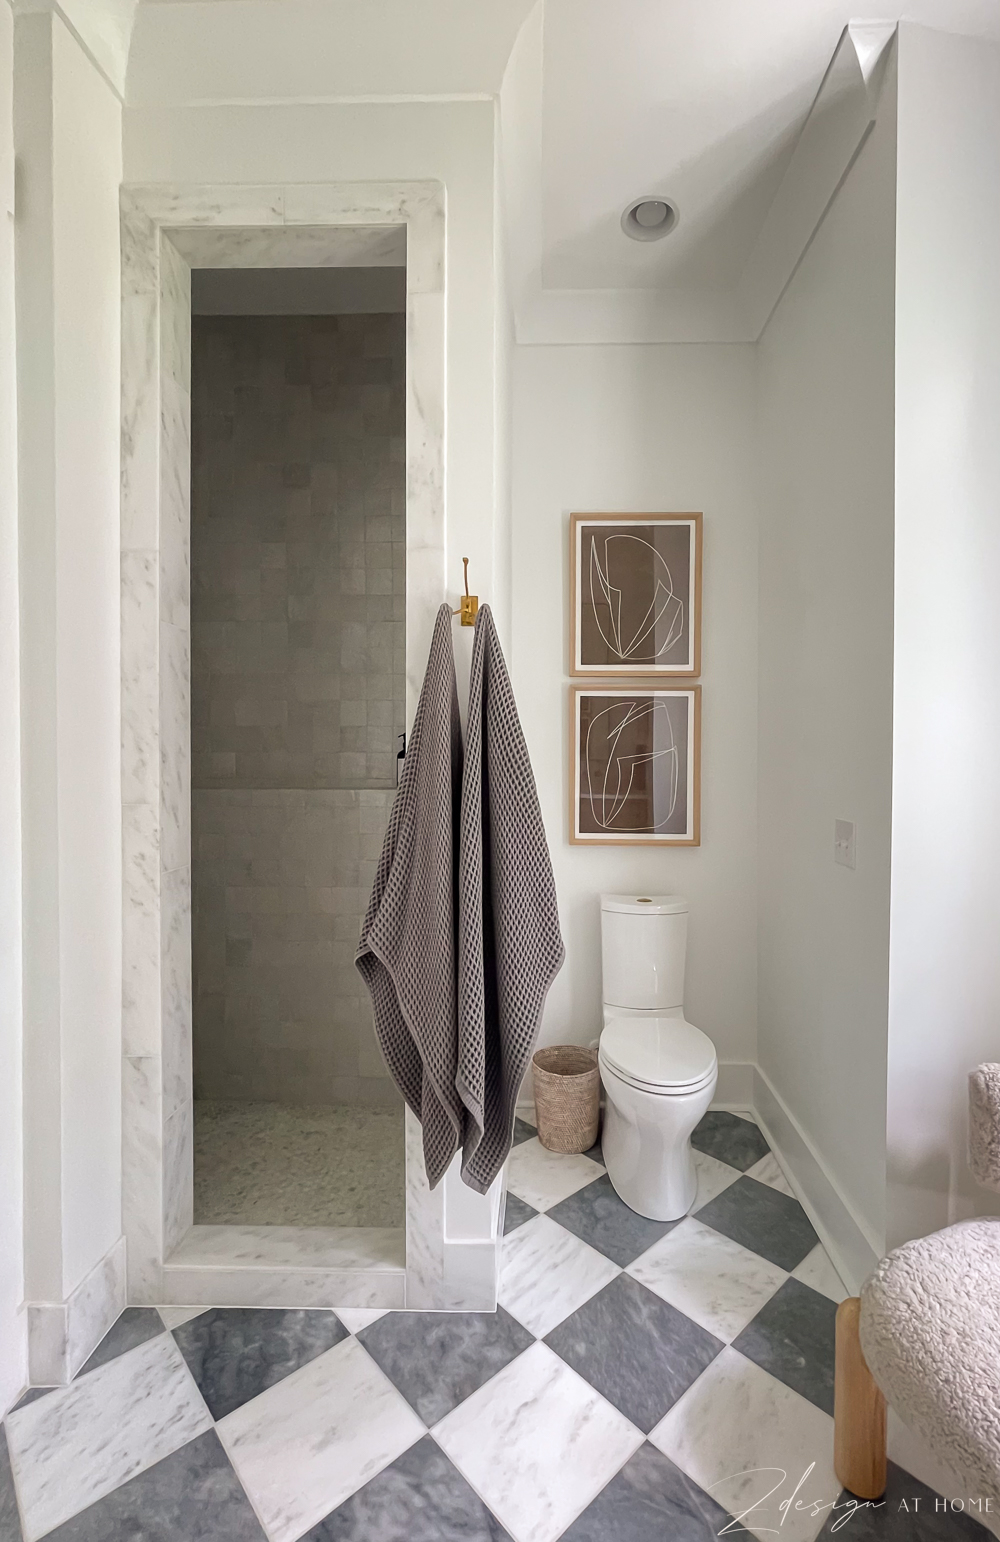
pixel 645 634
pixel 635 585
pixel 635 766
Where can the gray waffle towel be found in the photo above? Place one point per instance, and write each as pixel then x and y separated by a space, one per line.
pixel 510 946
pixel 407 949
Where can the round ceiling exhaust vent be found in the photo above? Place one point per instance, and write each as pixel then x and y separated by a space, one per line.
pixel 649 218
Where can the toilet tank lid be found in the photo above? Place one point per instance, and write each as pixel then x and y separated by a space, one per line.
pixel 645 904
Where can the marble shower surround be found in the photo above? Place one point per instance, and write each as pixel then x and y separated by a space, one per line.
pixel 157 1112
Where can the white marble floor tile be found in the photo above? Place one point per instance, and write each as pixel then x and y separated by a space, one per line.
pixel 708 1277
pixel 76 1444
pixel 355 1318
pixel 542 1178
pixel 768 1171
pixel 546 1273
pixel 537 1444
pixel 174 1316
pixel 754 1445
pixel 713 1176
pixel 817 1270
pixel 307 1443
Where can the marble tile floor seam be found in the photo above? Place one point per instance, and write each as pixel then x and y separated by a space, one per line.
pixel 633 1377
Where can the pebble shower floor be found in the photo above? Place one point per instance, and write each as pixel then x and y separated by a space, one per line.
pixel 635 1379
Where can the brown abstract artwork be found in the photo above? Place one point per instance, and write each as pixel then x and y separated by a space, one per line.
pixel 636 591
pixel 636 766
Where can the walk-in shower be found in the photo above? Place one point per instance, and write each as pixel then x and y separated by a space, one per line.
pixel 298 703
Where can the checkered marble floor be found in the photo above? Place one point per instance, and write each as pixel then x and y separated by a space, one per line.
pixel 640 1382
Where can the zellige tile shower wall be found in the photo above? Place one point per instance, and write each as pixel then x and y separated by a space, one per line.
pixel 298 692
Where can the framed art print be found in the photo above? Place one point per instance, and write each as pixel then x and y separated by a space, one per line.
pixel 635 594
pixel 635 765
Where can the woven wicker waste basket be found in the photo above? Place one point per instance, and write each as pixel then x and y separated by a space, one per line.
pixel 567 1096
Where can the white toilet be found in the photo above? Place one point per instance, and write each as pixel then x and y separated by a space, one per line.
pixel 659 1071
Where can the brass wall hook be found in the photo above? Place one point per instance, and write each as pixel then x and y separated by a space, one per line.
pixel 468 607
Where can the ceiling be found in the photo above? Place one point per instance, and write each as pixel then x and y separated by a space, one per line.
pixel 698 100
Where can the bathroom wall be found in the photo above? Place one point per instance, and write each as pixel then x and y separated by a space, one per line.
pixel 826 403
pixel 67 123
pixel 645 428
pixel 13 1322
pixel 298 533
pixel 944 976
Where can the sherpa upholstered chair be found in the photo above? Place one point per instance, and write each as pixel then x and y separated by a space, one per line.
pixel 924 1336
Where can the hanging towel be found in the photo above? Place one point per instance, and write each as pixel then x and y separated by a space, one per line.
pixel 510 946
pixel 407 950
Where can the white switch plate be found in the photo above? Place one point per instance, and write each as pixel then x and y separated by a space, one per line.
pixel 844 835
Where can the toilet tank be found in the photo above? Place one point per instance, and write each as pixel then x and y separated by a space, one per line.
pixel 643 945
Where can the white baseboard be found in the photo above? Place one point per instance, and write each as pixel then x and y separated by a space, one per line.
pixel 63 1334
pixel 842 1232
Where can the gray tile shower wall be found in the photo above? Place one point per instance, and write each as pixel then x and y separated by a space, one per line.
pixel 298 541
pixel 281 883
pixel 298 533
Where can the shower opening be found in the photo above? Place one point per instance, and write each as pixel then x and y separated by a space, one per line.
pixel 298 699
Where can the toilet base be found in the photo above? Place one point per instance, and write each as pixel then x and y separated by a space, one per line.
pixel 646 1144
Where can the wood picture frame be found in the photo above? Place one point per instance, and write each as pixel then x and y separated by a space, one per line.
pixel 635 764
pixel 635 596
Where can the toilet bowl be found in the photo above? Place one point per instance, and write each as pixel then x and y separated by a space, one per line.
pixel 648 1119
pixel 659 1071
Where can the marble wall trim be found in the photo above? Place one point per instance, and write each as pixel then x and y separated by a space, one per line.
pixel 238 225
pixel 62 1335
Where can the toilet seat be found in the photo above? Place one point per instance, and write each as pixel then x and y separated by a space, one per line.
pixel 664 1055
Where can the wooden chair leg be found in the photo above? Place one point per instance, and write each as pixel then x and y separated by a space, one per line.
pixel 858 1412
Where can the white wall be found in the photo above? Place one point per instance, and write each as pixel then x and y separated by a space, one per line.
pixel 644 428
pixel 13 1340
pixel 68 133
pixel 825 394
pixel 450 142
pixel 944 984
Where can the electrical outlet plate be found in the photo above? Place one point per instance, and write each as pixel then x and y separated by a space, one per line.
pixel 844 837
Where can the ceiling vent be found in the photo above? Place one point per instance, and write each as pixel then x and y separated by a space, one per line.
pixel 649 218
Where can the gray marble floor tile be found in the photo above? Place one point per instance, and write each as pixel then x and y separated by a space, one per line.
pixel 516 1212
pixel 193 1495
pixel 599 1217
pixel 522 1131
pixel 650 1500
pixel 905 1514
pixel 596 1152
pixel 10 1521
pixel 792 1336
pixel 235 1353
pixel 135 1325
pixel 438 1359
pixel 762 1219
pixel 420 1497
pixel 730 1139
pixel 638 1351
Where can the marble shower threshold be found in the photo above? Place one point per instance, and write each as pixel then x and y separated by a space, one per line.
pixel 288 1266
